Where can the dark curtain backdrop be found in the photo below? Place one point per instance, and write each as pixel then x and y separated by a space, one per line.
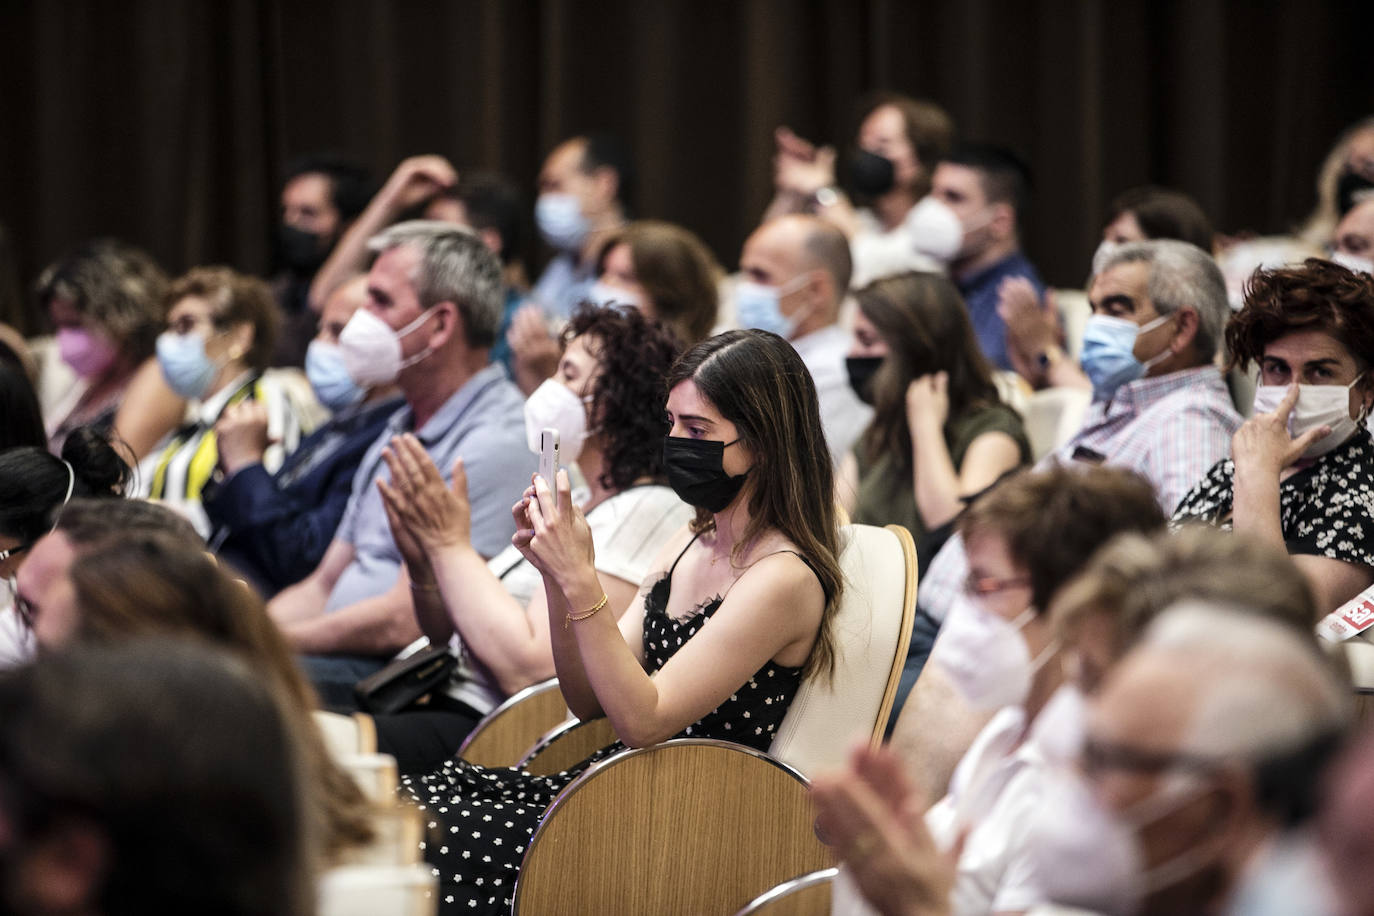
pixel 167 122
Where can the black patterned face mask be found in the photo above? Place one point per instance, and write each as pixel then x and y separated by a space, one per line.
pixel 696 472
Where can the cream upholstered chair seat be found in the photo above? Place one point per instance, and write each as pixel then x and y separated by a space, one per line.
pixel 1052 416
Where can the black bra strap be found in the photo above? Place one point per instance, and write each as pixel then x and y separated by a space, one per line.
pixel 673 568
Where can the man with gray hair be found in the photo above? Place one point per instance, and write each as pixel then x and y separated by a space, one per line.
pixel 1160 407
pixel 1202 765
pixel 434 305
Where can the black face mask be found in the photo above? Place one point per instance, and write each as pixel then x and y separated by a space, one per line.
pixel 861 371
pixel 696 472
pixel 1351 189
pixel 299 251
pixel 870 175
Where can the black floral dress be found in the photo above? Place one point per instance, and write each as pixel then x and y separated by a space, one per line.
pixel 1325 509
pixel 481 819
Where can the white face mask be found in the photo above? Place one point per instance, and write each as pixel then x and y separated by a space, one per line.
pixel 1318 405
pixel 935 229
pixel 372 351
pixel 604 294
pixel 1087 855
pixel 1060 727
pixel 555 405
pixel 1353 262
pixel 986 656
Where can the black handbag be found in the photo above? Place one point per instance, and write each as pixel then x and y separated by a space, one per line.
pixel 406 680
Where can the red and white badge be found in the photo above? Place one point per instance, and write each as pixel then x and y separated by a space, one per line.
pixel 1350 619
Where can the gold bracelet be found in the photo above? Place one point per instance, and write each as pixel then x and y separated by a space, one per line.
pixel 596 607
pixel 419 587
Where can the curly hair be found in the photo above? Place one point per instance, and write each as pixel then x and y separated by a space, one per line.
pixel 1318 296
pixel 234 298
pixel 628 396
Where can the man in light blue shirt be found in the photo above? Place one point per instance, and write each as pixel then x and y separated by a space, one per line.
pixel 437 292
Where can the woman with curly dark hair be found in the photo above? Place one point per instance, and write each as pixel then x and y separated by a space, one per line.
pixel 1301 471
pixel 606 400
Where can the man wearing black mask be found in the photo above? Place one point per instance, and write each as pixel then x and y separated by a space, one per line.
pixel 322 194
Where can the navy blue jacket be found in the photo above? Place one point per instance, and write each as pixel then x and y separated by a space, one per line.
pixel 275 528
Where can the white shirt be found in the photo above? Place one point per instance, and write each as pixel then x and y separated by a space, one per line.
pixel 995 790
pixel 879 252
pixel 843 416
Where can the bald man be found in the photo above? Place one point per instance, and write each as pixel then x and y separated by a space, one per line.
pixel 1205 748
pixel 795 271
pixel 275 528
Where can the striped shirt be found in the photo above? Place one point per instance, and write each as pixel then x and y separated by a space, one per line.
pixel 1170 429
pixel 177 472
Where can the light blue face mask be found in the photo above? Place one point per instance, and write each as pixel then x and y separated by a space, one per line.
pixel 757 306
pixel 324 367
pixel 560 221
pixel 1108 357
pixel 185 365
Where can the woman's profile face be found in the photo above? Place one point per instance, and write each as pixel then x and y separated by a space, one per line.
pixel 692 416
pixel 618 272
pixel 194 315
pixel 868 341
pixel 1315 358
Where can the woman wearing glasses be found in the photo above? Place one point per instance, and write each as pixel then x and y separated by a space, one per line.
pixel 34 485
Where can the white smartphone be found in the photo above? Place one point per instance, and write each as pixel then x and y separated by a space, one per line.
pixel 548 456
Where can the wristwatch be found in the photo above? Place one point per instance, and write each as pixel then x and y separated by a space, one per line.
pixel 1048 357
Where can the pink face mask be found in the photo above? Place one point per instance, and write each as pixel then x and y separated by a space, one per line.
pixel 89 354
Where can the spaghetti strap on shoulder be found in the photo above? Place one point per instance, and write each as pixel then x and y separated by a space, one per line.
pixel 672 569
pixel 809 565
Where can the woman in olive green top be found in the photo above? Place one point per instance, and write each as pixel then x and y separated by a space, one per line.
pixel 940 432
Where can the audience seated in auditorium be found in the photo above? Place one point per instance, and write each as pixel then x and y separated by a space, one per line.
pixel 606 401
pixel 737 610
pixel 1168 422
pixel 156 777
pixel 666 272
pixel 940 432
pixel 1354 243
pixel 321 195
pixel 274 528
pixel 34 487
pixel 1198 767
pixel 1035 341
pixel 429 187
pixel 795 271
pixel 115 571
pixel 1298 476
pixel 220 330
pixel 988 188
pixel 434 304
pixel 107 302
pixel 881 180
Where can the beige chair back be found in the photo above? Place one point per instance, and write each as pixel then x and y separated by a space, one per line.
pixel 872 630
pixel 346 736
pixel 1052 416
pixel 688 826
pixel 1074 310
pixel 506 733
pixel 808 895
pixel 567 744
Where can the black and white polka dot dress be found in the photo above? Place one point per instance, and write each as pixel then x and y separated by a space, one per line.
pixel 1325 510
pixel 480 820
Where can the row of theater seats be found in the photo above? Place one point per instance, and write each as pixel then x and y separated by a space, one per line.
pixel 687 826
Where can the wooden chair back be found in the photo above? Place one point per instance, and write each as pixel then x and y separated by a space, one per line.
pixel 808 895
pixel 507 732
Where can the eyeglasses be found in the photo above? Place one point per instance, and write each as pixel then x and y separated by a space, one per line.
pixel 6 554
pixel 991 585
pixel 1100 755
